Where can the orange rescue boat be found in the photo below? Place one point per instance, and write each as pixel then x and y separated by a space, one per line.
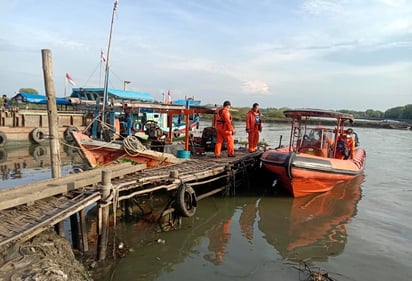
pixel 317 158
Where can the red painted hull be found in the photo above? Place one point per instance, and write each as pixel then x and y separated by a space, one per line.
pixel 99 153
pixel 303 174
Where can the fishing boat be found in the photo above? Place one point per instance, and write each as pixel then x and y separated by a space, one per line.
pixel 134 112
pixel 313 161
pixel 100 153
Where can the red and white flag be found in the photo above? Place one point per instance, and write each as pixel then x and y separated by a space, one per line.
pixel 102 57
pixel 70 79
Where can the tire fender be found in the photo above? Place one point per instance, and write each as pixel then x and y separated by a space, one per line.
pixel 38 135
pixel 3 139
pixel 176 133
pixel 186 201
pixel 68 133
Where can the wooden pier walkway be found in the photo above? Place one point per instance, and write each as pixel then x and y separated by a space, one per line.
pixel 27 210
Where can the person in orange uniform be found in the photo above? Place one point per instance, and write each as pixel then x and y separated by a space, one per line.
pixel 253 127
pixel 346 146
pixel 225 131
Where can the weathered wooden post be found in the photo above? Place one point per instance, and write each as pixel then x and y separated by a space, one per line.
pixel 53 121
pixel 83 229
pixel 52 113
pixel 103 220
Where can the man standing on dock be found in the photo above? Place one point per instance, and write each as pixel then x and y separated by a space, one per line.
pixel 224 131
pixel 253 127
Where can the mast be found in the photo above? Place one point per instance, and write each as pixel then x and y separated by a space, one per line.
pixel 106 76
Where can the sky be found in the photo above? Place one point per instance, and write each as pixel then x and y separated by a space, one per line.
pixel 328 54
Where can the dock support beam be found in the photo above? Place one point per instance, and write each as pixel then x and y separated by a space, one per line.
pixel 103 220
pixel 83 228
pixel 74 225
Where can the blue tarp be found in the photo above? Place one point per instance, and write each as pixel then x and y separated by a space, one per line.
pixel 38 99
pixel 93 93
pixel 189 101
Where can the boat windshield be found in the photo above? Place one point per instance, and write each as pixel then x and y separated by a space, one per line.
pixel 318 141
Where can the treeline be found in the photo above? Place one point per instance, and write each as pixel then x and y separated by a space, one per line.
pixel 399 113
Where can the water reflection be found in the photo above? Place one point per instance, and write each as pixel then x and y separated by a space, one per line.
pixel 311 227
pixel 229 231
pixel 14 160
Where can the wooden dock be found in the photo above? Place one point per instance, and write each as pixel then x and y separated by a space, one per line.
pixel 27 210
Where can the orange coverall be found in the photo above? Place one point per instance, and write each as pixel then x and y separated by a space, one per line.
pixel 253 127
pixel 224 132
pixel 348 151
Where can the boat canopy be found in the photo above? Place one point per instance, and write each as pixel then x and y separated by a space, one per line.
pixel 92 94
pixel 189 102
pixel 308 112
pixel 38 99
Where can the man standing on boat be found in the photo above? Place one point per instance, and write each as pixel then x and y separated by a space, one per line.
pixel 224 131
pixel 253 127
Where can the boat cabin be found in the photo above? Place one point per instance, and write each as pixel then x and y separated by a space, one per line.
pixel 316 131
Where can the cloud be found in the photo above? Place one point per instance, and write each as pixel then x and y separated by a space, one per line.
pixel 320 6
pixel 255 86
pixel 393 3
pixel 399 26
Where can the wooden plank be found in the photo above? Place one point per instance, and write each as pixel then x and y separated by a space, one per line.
pixel 65 179
pixel 28 193
pixel 51 220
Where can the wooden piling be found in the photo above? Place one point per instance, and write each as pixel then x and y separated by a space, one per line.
pixel 74 225
pixel 52 113
pixel 59 228
pixel 103 224
pixel 83 228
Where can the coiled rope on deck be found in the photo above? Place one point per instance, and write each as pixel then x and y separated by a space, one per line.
pixel 133 146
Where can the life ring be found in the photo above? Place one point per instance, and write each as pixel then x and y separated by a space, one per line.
pixel 3 139
pixel 68 133
pixel 176 133
pixel 137 126
pixel 186 201
pixel 3 155
pixel 38 135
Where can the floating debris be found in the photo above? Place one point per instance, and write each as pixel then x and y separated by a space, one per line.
pixel 313 275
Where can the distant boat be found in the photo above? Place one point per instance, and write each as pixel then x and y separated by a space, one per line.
pixel 93 95
pixel 308 164
pixel 37 99
pixel 26 119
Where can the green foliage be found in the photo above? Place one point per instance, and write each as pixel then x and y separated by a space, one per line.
pixel 273 113
pixel 407 112
pixel 375 114
pixel 394 112
pixel 28 90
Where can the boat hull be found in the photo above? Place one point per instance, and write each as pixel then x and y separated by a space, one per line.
pixel 100 153
pixel 303 174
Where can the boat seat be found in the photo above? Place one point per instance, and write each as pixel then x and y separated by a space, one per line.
pixel 312 150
